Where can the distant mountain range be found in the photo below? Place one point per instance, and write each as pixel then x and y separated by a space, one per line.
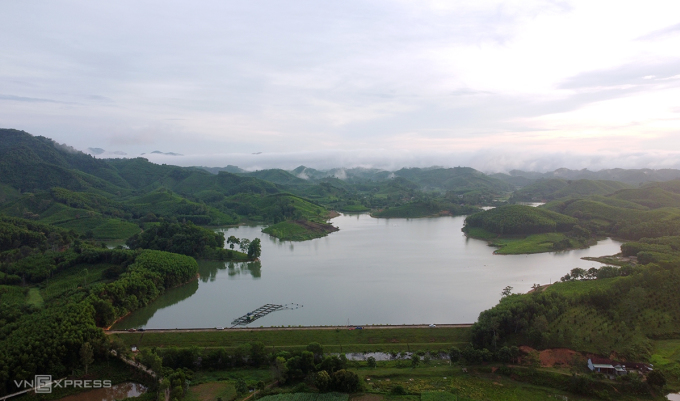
pixel 436 177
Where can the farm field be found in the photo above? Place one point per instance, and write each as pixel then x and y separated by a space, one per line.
pixel 332 340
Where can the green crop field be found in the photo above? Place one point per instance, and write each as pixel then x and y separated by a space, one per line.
pixel 332 340
pixel 307 397
pixel 582 286
pixel 79 275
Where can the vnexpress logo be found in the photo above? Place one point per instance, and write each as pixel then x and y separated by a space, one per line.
pixel 43 384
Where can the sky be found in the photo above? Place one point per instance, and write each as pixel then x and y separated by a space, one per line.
pixel 494 85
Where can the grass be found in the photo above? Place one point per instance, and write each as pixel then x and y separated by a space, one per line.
pixel 666 357
pixel 115 229
pixel 332 340
pixel 570 288
pixel 446 383
pixel 34 298
pixel 480 233
pixel 307 397
pixel 211 391
pixel 74 277
pixel 536 243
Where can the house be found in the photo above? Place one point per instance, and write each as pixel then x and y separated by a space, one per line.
pixel 640 367
pixel 607 368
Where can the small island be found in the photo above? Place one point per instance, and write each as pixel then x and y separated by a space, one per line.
pixel 518 229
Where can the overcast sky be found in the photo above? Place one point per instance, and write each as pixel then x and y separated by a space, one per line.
pixel 493 85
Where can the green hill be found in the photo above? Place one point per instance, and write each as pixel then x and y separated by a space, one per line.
pixel 31 163
pixel 277 176
pixel 458 180
pixel 550 189
pixel 607 311
pixel 425 209
pixel 85 213
pixel 520 220
pixel 648 211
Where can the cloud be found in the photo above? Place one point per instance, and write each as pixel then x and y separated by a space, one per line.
pixel 490 160
pixel 30 99
pixel 623 76
pixel 306 77
pixel 661 33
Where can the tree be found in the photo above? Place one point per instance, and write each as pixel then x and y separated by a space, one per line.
pixel 322 380
pixel 254 249
pixel 506 291
pixel 454 354
pixel 371 363
pixel 258 354
pixel 280 369
pixel 504 355
pixel 577 273
pixel 86 355
pixel 415 360
pixel 317 350
pixel 346 381
pixel 232 241
pixel 244 243
pixel 241 386
pixel 591 274
pixel 656 378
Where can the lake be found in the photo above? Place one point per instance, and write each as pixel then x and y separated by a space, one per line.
pixel 372 271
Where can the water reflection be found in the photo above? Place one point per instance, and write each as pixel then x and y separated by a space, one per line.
pixel 118 392
pixel 245 268
pixel 141 317
pixel 209 269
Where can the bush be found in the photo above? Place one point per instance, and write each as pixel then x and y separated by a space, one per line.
pixel 398 390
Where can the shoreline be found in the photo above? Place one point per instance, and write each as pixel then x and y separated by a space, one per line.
pixel 108 329
pixel 300 328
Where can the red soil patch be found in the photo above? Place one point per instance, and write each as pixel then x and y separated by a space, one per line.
pixel 555 356
pixel 559 357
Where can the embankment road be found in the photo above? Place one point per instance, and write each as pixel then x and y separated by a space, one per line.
pixel 372 327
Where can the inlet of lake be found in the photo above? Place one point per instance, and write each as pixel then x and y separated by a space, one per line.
pixel 372 271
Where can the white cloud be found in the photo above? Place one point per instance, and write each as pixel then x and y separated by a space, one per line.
pixel 431 76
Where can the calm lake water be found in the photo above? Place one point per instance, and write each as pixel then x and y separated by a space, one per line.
pixel 372 271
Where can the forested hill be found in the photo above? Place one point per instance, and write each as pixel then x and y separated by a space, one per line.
pixel 44 181
pixel 627 176
pixel 556 188
pixel 30 163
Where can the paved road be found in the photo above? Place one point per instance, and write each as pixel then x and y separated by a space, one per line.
pixel 406 326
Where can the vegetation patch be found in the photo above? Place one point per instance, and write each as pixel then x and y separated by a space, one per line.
pixel 520 220
pixel 299 230
pixel 307 397
pixel 212 391
pixel 348 340
pixel 536 243
pixel 425 209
